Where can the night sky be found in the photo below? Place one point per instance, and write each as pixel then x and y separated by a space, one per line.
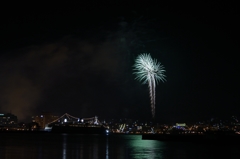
pixel 77 58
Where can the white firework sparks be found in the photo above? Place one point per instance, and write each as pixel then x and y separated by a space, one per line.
pixel 149 71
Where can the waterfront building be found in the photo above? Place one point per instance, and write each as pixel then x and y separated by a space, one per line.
pixel 44 119
pixel 8 120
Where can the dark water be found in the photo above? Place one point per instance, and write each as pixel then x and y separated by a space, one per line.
pixel 64 146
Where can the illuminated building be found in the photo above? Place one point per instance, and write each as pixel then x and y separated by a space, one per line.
pixel 44 119
pixel 8 120
pixel 181 124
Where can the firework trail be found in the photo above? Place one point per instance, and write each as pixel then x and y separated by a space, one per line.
pixel 149 71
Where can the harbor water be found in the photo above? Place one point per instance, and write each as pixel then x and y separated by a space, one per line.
pixel 75 146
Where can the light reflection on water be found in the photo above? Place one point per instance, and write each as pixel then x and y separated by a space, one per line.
pixel 107 157
pixel 139 149
pixel 65 146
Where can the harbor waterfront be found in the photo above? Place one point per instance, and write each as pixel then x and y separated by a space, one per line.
pixel 72 137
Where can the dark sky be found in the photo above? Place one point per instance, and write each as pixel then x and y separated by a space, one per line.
pixel 77 58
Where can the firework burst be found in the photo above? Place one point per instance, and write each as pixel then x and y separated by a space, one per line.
pixel 149 71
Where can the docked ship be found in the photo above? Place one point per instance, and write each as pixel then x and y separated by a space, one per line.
pixel 70 124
